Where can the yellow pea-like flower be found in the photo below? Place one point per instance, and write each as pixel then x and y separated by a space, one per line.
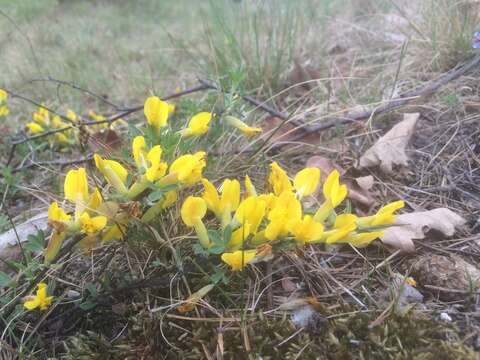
pixel 249 187
pixel 3 95
pixel 244 128
pixel 114 173
pixel 344 225
pixel 71 115
pixel 192 212
pixel 187 169
pixel 156 111
pixel 238 259
pixel 251 211
pixel 239 236
pixel 306 181
pixel 40 299
pixel 55 213
pixel 4 110
pixel 35 128
pixel 278 179
pixel 287 210
pixel 92 225
pixel 76 186
pixel 384 216
pixel 306 230
pixel 198 125
pixel 333 191
pixel 211 197
pixel 362 239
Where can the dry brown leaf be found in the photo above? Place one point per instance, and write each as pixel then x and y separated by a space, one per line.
pixel 105 142
pixel 449 276
pixel 415 226
pixel 389 150
pixel 359 190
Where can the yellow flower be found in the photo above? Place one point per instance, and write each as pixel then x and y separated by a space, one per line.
pixel 55 213
pixel 96 116
pixel 334 194
pixel 229 199
pixel 344 225
pixel 187 169
pixel 34 128
pixel 61 138
pixel 306 181
pixel 287 210
pixel 198 125
pixel 3 95
pixel 384 216
pixel 362 239
pixel 171 108
pixel 244 128
pixel 249 187
pixel 251 211
pixel 41 116
pixel 156 111
pixel 306 230
pixel 211 197
pixel 40 300
pixel 114 232
pixel 333 191
pixel 238 259
pixel 278 180
pixel 92 225
pixel 4 110
pixel 76 186
pixel 192 212
pixel 114 173
pixel 239 236
pixel 149 161
pixel 71 115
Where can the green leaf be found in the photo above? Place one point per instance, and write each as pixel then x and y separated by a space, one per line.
pixel 155 195
pixel 215 237
pixel 216 249
pixel 91 288
pixel 5 279
pixel 35 243
pixel 87 305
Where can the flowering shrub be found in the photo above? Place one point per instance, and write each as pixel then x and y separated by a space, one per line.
pixel 241 227
pixel 277 218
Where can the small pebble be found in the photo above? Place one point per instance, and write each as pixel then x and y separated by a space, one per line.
pixel 445 317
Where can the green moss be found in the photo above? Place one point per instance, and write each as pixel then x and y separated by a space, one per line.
pixel 262 337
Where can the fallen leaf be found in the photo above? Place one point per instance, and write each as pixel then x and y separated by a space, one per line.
pixel 359 190
pixel 450 277
pixel 417 224
pixel 389 150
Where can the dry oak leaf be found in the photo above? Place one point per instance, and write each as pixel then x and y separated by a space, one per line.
pixel 389 150
pixel 450 277
pixel 416 225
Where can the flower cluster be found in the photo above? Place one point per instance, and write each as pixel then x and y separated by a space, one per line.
pixel 42 121
pixel 252 220
pixel 4 110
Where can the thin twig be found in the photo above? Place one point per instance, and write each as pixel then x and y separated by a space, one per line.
pixel 60 163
